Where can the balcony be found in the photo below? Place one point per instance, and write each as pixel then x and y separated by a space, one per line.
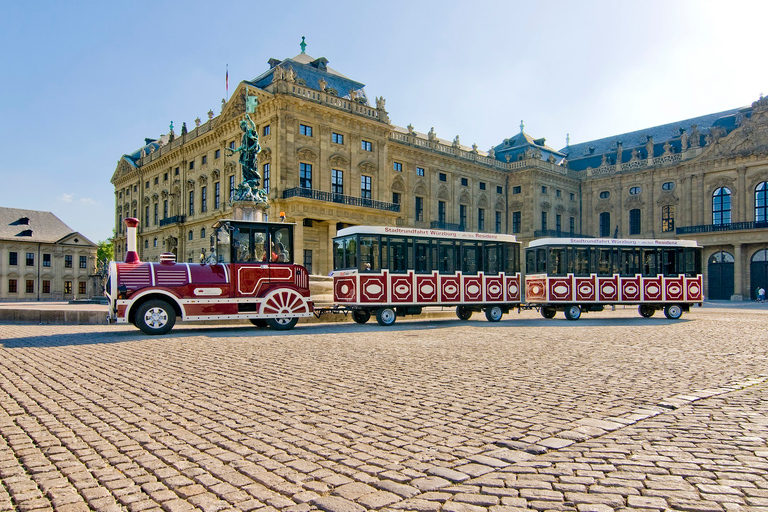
pixel 436 224
pixel 176 219
pixel 330 197
pixel 711 228
pixel 557 233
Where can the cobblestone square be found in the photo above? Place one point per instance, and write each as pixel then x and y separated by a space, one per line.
pixel 612 412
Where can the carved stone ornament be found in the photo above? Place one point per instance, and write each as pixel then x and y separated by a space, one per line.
pixel 604 205
pixel 722 181
pixel 191 183
pixel 442 193
pixel 164 194
pixel 215 174
pixel 499 205
pixel 516 205
pixel 134 203
pixel 758 178
pixel 464 198
pixel 367 167
pixel 155 197
pixel 751 138
pixel 545 205
pixel 667 197
pixel 306 154
pixel 203 179
pixel 398 186
pixel 420 189
pixel 145 200
pixel 119 209
pixel 482 202
pixel 265 154
pixel 338 160
pixel 560 209
pixel 230 167
pixel 633 202
pixel 573 210
pixel 124 167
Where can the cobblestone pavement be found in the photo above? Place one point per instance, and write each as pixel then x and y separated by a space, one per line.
pixel 610 412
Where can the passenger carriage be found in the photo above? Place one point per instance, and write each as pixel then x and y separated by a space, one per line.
pixel 249 274
pixel 392 271
pixel 576 275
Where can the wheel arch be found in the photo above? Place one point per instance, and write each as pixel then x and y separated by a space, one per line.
pixel 155 295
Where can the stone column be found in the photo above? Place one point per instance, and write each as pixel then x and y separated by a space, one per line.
pixel 737 273
pixel 741 195
pixel 702 201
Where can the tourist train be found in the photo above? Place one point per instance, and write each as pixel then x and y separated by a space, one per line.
pixel 389 272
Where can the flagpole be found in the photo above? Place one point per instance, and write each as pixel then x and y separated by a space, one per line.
pixel 227 81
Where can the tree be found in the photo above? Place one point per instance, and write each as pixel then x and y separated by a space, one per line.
pixel 106 250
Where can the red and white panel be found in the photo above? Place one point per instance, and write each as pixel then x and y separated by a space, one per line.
pixel 345 289
pixel 450 289
pixel 631 288
pixel 586 289
pixel 426 288
pixel 373 288
pixel 608 288
pixel 674 288
pixel 513 287
pixel 560 289
pixel 494 288
pixel 653 289
pixel 401 288
pixel 536 288
pixel 473 288
pixel 694 288
pixel 284 302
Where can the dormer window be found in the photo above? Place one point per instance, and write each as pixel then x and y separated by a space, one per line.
pixel 26 232
pixel 24 221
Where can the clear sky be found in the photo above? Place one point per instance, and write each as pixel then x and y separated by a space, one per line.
pixel 85 82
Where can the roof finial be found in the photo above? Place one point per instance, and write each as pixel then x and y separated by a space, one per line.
pixel 567 139
pixel 521 126
pixel 303 45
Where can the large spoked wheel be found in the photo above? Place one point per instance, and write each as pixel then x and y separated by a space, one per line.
pixel 493 313
pixel 259 322
pixel 673 311
pixel 361 316
pixel 572 312
pixel 282 324
pixel 155 317
pixel 548 312
pixel 463 312
pixel 646 311
pixel 386 316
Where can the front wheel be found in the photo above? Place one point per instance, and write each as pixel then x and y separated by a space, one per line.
pixel 673 311
pixel 572 312
pixel 493 313
pixel 548 312
pixel 155 317
pixel 646 311
pixel 463 312
pixel 282 324
pixel 361 316
pixel 386 316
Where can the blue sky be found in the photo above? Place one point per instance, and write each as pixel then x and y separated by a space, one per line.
pixel 85 82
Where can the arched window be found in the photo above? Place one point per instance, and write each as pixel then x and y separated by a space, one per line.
pixel 146 243
pixel 202 232
pixel 154 242
pixel 761 202
pixel 761 255
pixel 721 206
pixel 191 235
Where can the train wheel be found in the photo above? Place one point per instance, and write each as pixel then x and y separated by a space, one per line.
pixel 646 311
pixel 463 312
pixel 673 311
pixel 282 324
pixel 493 313
pixel 259 322
pixel 548 312
pixel 386 316
pixel 361 315
pixel 155 317
pixel 572 312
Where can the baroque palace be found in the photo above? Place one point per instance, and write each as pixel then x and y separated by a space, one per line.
pixel 330 158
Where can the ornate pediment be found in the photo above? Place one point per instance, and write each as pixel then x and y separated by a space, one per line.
pixel 604 205
pixel 464 198
pixel 306 154
pixel 215 174
pixel 499 205
pixel 758 177
pixel 134 203
pixel 398 186
pixel 751 138
pixel 155 197
pixel 482 202
pixel 145 200
pixel 722 181
pixel 666 197
pixel 516 205
pixel 442 193
pixel 560 209
pixel 420 189
pixel 191 183
pixel 265 154
pixel 573 210
pixel 230 167
pixel 545 205
pixel 203 179
pixel 164 193
pixel 367 167
pixel 633 202
pixel 338 161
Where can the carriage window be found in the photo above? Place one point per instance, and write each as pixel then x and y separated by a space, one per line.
pixel 223 254
pixel 341 248
pixel 650 258
pixel 446 257
pixel 282 244
pixel 556 261
pixel 350 253
pixel 423 263
pixel 492 258
pixel 472 258
pixel 369 253
pixel 511 258
pixel 629 262
pixel 581 261
pixel 604 267
pixel 541 261
pixel 530 262
pixel 398 261
pixel 669 262
pixel 692 262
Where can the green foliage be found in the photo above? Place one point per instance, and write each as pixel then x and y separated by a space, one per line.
pixel 106 250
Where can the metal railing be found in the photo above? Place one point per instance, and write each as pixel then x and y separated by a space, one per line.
pixel 733 226
pixel 176 219
pixel 436 224
pixel 340 198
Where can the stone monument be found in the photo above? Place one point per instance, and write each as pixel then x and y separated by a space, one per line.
pixel 249 201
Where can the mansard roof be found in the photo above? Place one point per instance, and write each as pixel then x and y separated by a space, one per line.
pixel 515 147
pixel 22 225
pixel 590 154
pixel 310 71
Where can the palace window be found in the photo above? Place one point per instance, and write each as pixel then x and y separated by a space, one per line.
pixel 463 215
pixel 216 195
pixel 482 185
pixel 464 182
pixel 165 208
pixel 635 223
pixel 558 222
pixel 605 194
pixel 480 219
pixel 543 189
pixel 605 224
pixel 305 175
pixel 305 130
pixel 516 190
pixel 265 177
pixel 721 206
pixel 190 235
pixel 191 202
pixel 441 211
pixel 397 166
pixel 12 286
pixel 634 191
pixel 204 199
pixel 30 259
pixel 83 262
pixel 396 197
pixel 419 209
pixel 191 165
pixel 308 260
pixel 68 287
pixel 366 145
pixel 46 260
pixel 46 286
pixel 572 225
pixel 231 187
pixel 146 216
pixel 558 192
pixel 419 171
pixel 337 181
pixel 156 206
pixel 217 154
pixel 67 261
pixel 146 243
pixel 499 190
pixel 337 138
pixel 516 221
pixel 442 177
pixel 544 221
pixel 497 226
pixel 205 159
pixel 81 288
pixel 667 218
pixel 154 242
pixel 202 232
pixel 266 131
pixel 668 185
pixel 365 187
pixel 761 202
pixel 30 286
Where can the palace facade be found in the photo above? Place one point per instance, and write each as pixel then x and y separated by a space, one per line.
pixel 41 258
pixel 331 158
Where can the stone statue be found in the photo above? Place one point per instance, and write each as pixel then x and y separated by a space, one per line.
pixel 248 150
pixel 683 141
pixel 380 102
pixel 667 149
pixel 432 135
pixel 695 136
